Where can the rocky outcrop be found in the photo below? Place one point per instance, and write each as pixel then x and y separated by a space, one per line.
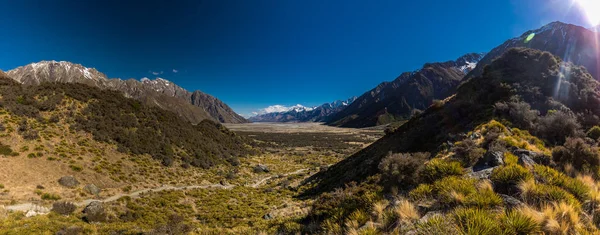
pixel 68 181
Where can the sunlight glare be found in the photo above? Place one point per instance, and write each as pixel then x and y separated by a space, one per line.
pixel 591 8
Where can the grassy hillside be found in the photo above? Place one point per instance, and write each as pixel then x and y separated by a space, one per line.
pixel 508 154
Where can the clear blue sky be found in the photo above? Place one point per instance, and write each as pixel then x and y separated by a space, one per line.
pixel 256 53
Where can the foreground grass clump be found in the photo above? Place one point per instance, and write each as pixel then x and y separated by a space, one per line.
pixel 541 194
pixel 507 177
pixel 438 168
pixel 476 221
pixel 457 191
pixel 553 177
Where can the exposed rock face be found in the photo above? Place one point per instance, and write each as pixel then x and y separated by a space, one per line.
pixel 410 92
pixel 261 168
pixel 68 181
pixel 317 114
pixel 92 189
pixel 194 106
pixel 94 212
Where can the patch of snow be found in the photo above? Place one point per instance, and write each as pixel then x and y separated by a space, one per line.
pixel 87 74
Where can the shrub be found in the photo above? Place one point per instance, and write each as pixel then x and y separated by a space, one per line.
pixel 476 221
pixel 577 153
pixel 515 222
pixel 519 113
pixel 402 169
pixel 553 177
pixel 438 168
pixel 7 151
pixel 423 191
pixel 541 194
pixel 467 152
pixel 50 196
pixel 75 167
pixel 63 208
pixel 507 177
pixel 557 126
pixel 594 132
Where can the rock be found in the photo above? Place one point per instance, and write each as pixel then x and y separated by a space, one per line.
pixel 68 181
pixel 94 212
pixel 475 136
pixel 31 213
pixel 482 174
pixel 526 157
pixel 510 202
pixel 92 189
pixel 268 216
pixel 64 208
pixel 430 215
pixel 490 159
pixel 261 168
pixel 40 187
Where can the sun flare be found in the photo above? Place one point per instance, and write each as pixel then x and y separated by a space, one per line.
pixel 591 8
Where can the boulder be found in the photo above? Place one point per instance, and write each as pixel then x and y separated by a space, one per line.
pixel 510 202
pixel 68 181
pixel 94 212
pixel 261 168
pixel 529 158
pixel 482 174
pixel 92 189
pixel 489 159
pixel 268 216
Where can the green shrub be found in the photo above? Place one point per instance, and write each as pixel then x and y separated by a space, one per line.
pixel 1 186
pixel 507 177
pixel 557 126
pixel 7 151
pixel 76 168
pixel 542 194
pixel 50 196
pixel 484 198
pixel 467 152
pixel 551 176
pixel 476 221
pixel 402 169
pixel 515 222
pixel 438 168
pixel 579 154
pixel 594 132
pixel 423 191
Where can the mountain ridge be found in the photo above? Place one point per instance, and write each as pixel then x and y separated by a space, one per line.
pixel 193 106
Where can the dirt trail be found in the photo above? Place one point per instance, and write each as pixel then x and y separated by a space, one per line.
pixel 264 180
pixel 26 207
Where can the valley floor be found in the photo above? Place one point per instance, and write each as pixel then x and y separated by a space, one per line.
pixel 258 195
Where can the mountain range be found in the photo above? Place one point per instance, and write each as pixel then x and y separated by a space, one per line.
pixel 304 114
pixel 193 106
pixel 409 93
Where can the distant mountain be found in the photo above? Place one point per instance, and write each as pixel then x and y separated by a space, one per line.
pixel 407 94
pixel 571 43
pixel 300 113
pixel 193 106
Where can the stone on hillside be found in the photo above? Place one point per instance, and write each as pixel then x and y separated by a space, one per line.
pixel 73 230
pixel 268 216
pixel 490 159
pixel 64 208
pixel 92 189
pixel 527 158
pixel 94 212
pixel 261 168
pixel 510 202
pixel 68 181
pixel 482 174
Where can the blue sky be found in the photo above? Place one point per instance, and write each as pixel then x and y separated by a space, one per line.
pixel 256 53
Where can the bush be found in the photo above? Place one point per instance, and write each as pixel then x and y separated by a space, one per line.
pixel 518 113
pixel 515 222
pixel 467 152
pixel 551 176
pixel 594 132
pixel 507 177
pixel 63 208
pixel 438 168
pixel 402 169
pixel 556 126
pixel 476 221
pixel 577 153
pixel 542 194
pixel 50 196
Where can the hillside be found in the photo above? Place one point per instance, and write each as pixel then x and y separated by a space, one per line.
pixel 193 106
pixel 317 114
pixel 493 152
pixel 571 43
pixel 408 94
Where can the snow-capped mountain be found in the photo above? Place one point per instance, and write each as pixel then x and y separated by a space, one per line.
pixel 408 93
pixel 300 113
pixel 194 106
